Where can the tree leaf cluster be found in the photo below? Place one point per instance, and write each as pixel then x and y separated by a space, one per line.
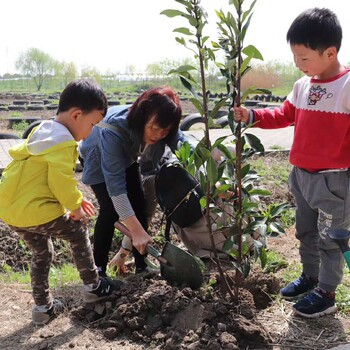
pixel 229 183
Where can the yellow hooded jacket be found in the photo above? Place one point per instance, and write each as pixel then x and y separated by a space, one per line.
pixel 39 184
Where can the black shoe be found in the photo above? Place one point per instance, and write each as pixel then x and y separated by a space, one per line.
pixel 102 290
pixel 316 304
pixel 298 288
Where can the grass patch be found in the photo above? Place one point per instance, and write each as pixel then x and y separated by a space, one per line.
pixel 278 172
pixel 274 262
pixel 59 276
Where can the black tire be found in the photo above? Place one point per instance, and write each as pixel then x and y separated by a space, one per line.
pixel 223 121
pixel 5 136
pixel 30 128
pixel 190 120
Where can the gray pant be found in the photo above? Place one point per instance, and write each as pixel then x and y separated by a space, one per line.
pixel 38 240
pixel 322 203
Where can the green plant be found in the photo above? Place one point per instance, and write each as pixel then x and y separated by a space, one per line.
pixel 274 262
pixel 20 127
pixel 16 114
pixel 232 179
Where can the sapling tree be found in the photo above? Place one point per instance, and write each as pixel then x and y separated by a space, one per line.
pixel 230 184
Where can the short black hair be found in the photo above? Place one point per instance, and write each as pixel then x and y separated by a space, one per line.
pixel 317 29
pixel 84 94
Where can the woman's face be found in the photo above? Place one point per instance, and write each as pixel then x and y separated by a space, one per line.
pixel 153 132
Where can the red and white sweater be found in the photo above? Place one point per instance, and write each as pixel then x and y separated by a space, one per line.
pixel 320 110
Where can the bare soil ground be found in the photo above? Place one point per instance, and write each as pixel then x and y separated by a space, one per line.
pixel 147 313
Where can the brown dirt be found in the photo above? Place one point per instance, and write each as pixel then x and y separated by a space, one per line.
pixel 147 313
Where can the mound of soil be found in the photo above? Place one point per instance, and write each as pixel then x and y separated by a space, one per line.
pixel 148 313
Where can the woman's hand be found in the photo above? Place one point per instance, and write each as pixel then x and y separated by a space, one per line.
pixel 140 238
pixel 118 261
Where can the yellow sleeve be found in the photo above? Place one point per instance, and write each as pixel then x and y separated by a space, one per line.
pixel 61 178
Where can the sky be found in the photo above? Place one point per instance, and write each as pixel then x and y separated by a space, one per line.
pixel 112 34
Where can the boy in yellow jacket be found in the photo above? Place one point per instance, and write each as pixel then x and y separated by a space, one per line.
pixel 40 198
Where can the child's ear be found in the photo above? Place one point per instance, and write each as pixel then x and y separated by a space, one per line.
pixel 331 52
pixel 75 113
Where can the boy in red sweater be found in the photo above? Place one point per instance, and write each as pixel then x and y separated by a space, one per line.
pixel 319 107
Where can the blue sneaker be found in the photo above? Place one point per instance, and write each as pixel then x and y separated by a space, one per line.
pixel 316 304
pixel 298 288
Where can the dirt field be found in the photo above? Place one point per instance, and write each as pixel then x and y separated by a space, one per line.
pixel 147 313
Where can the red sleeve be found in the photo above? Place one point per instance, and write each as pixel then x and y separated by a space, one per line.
pixel 276 118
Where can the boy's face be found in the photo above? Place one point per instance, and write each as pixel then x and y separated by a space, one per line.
pixel 311 62
pixel 83 123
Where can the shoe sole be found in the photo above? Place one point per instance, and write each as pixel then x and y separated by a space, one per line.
pixel 42 321
pixel 329 311
pixel 89 299
pixel 297 297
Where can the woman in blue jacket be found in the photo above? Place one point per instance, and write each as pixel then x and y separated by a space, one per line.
pixel 128 136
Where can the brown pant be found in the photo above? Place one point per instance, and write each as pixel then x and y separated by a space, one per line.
pixel 38 240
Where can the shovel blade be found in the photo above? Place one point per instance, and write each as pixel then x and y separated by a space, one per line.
pixel 182 268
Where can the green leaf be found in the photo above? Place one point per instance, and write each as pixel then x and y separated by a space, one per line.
pixel 259 192
pixel 183 30
pixel 173 13
pixel 254 142
pixel 219 141
pixel 203 202
pixel 198 104
pixel 246 267
pixel 228 245
pixel 184 152
pixel 278 209
pixel 252 52
pixel 203 181
pixel 274 227
pixel 263 257
pixel 223 188
pixel 217 106
pixel 212 171
pixel 246 13
pixel 181 41
pixel 244 29
pixel 235 3
pixel 183 68
pixel 201 154
pixel 187 84
pixel 245 170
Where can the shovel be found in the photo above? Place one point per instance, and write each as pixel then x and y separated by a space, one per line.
pixel 341 237
pixel 176 266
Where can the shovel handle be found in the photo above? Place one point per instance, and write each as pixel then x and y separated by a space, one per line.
pixel 150 249
pixel 123 229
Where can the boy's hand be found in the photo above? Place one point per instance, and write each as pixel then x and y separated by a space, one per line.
pixel 78 215
pixel 241 114
pixel 88 208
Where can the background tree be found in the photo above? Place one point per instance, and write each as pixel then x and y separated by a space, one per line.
pixel 66 71
pixel 91 72
pixel 37 64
